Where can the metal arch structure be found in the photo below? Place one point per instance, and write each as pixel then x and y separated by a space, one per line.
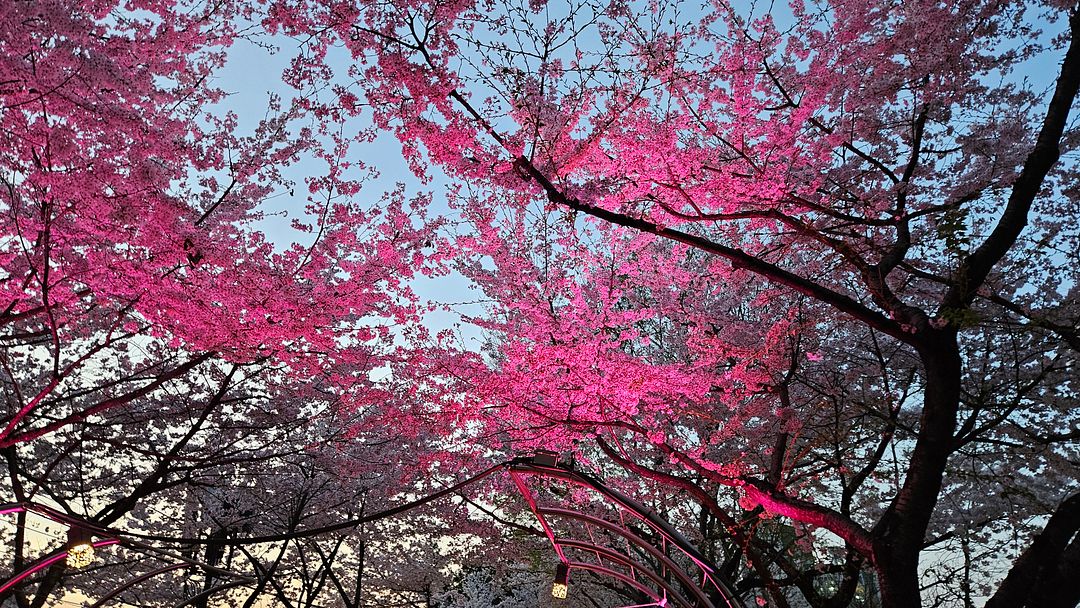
pixel 656 560
pixel 109 538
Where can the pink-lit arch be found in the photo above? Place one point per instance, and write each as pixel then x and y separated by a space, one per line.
pixel 693 584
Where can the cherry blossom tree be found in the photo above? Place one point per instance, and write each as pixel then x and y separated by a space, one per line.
pixel 129 213
pixel 821 257
pixel 811 268
pixel 237 453
pixel 155 346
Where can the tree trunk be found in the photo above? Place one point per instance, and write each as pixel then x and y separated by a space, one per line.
pixel 899 535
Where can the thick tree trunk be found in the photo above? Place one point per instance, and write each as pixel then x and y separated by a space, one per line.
pixel 899 535
pixel 898 582
pixel 1044 574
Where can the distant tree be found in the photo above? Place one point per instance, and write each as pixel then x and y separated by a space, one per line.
pixel 221 458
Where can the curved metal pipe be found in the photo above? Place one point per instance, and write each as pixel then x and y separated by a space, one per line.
pixel 670 592
pixel 672 567
pixel 630 582
pixel 642 512
pixel 47 561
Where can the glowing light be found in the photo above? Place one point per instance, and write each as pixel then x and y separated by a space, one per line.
pixel 562 582
pixel 558 590
pixel 80 548
pixel 45 562
pixel 80 555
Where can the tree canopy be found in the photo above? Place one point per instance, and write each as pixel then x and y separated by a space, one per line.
pixel 803 278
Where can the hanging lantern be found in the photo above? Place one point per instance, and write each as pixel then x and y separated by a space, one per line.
pixel 80 549
pixel 562 581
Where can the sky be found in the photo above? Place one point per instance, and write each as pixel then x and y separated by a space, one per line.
pixel 251 74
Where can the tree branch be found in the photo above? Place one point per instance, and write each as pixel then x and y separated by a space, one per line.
pixel 976 266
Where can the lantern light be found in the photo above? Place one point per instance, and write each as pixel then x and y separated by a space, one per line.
pixel 562 581
pixel 80 549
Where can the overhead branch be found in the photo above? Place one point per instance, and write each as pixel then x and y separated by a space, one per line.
pixel 807 512
pixel 737 257
pixel 108 404
pixel 977 265
pixel 779 502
